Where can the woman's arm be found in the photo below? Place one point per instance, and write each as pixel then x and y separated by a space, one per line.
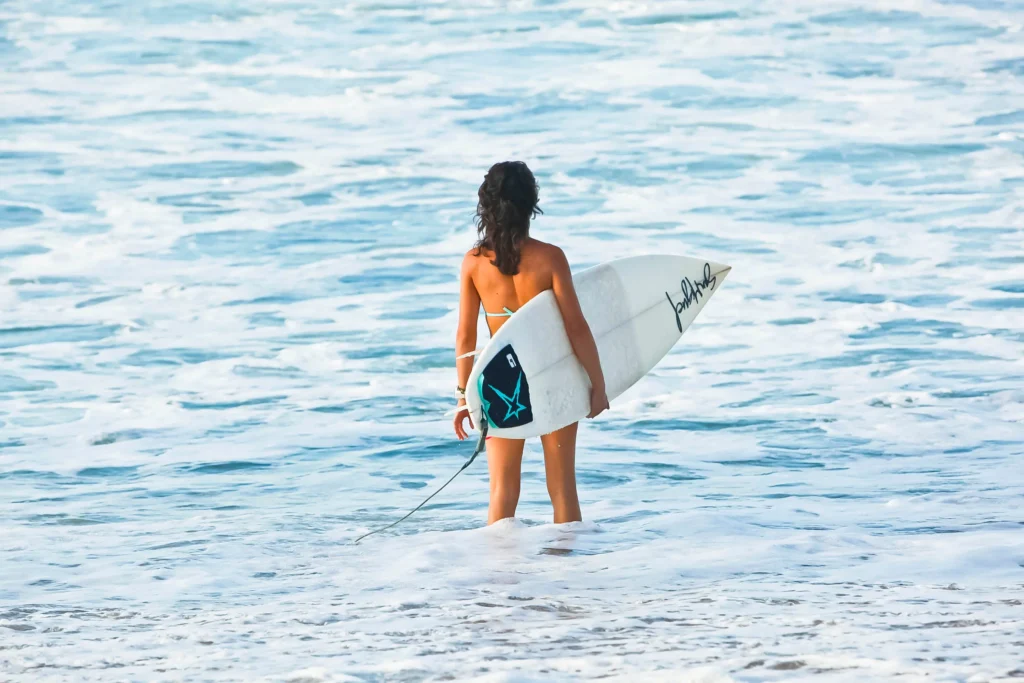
pixel 465 336
pixel 576 327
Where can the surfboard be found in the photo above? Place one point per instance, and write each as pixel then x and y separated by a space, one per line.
pixel 527 381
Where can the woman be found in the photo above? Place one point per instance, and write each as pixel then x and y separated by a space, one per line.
pixel 503 271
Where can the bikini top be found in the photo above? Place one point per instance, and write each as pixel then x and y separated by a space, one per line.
pixel 506 312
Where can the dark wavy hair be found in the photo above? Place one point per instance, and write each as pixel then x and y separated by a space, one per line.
pixel 507 200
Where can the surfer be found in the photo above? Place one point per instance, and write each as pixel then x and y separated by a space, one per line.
pixel 505 269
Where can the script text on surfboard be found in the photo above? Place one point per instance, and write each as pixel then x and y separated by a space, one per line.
pixel 692 293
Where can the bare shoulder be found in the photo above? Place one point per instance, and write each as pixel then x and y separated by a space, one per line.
pixel 552 256
pixel 469 261
pixel 556 261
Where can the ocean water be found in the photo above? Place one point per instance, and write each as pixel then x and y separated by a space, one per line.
pixel 229 243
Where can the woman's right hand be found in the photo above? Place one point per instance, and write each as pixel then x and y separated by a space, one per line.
pixel 598 401
pixel 460 417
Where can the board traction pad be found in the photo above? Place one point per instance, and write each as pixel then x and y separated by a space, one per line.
pixel 505 391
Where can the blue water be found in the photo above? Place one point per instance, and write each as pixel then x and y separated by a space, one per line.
pixel 229 244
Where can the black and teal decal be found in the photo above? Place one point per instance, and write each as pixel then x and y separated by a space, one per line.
pixel 504 391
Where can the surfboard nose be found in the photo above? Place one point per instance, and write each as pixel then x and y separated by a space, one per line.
pixel 720 269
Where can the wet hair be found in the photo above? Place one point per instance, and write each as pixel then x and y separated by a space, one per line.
pixel 507 200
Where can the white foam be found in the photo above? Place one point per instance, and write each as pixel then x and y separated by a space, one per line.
pixel 202 405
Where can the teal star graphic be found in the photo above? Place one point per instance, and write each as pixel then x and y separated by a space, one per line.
pixel 514 400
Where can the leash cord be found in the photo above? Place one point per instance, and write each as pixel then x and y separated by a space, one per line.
pixel 479 449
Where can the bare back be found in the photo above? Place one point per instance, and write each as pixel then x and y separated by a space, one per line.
pixel 498 291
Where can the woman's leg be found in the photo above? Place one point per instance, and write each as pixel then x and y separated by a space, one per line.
pixel 560 471
pixel 504 462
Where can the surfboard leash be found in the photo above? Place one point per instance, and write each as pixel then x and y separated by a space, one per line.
pixel 480 444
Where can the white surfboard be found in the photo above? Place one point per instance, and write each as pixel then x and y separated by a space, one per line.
pixel 527 381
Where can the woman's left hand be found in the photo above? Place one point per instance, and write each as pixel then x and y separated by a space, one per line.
pixel 460 417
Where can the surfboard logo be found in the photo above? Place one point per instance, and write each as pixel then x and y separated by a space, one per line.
pixel 515 407
pixel 505 391
pixel 691 292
